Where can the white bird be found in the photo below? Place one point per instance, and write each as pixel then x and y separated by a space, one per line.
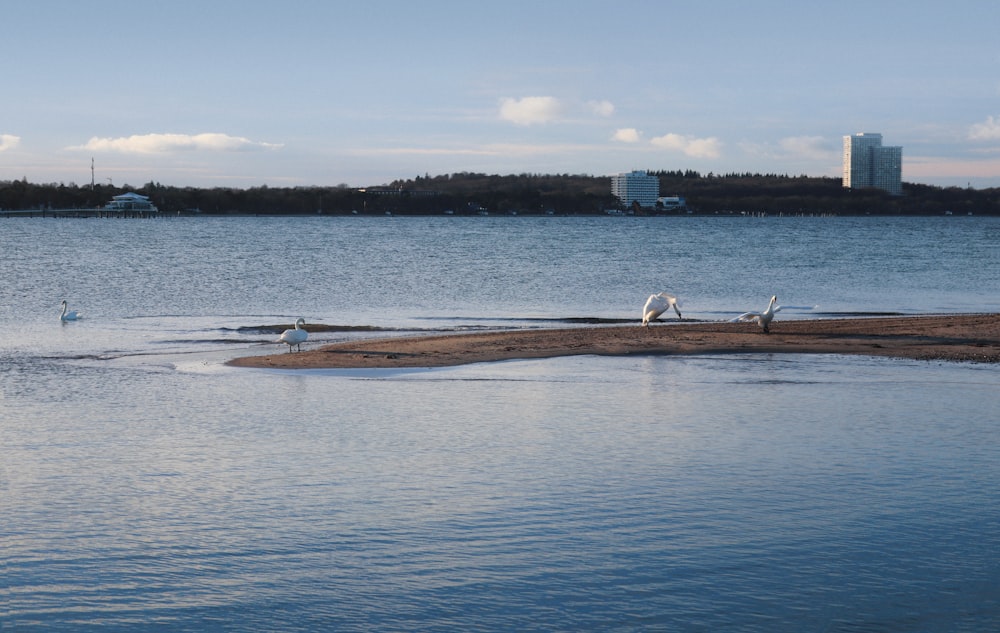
pixel 658 304
pixel 67 314
pixel 763 318
pixel 296 337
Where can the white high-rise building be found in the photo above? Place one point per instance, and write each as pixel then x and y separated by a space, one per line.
pixel 868 164
pixel 636 186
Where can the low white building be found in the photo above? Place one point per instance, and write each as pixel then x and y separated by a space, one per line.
pixel 131 202
pixel 670 203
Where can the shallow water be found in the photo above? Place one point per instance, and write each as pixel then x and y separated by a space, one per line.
pixel 145 483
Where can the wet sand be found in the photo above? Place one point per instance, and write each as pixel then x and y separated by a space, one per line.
pixel 961 337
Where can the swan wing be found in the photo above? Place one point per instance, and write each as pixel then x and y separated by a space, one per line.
pixel 657 303
pixel 655 306
pixel 746 317
pixel 291 336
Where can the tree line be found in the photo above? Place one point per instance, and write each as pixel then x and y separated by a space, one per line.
pixel 523 194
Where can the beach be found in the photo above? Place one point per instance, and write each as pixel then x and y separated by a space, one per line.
pixel 953 337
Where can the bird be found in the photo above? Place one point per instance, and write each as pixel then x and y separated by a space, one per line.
pixel 658 304
pixel 296 337
pixel 763 318
pixel 67 314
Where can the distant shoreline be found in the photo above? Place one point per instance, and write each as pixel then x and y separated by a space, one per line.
pixel 472 194
pixel 959 337
pixel 97 212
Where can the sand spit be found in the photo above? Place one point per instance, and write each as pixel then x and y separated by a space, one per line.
pixel 956 337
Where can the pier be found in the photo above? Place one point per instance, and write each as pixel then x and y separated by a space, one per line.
pixel 126 205
pixel 98 212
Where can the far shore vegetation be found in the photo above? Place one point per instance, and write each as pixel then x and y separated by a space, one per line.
pixel 523 194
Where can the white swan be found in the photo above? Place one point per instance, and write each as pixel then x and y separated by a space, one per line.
pixel 296 337
pixel 763 318
pixel 67 314
pixel 658 304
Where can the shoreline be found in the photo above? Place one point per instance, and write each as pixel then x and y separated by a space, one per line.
pixel 954 337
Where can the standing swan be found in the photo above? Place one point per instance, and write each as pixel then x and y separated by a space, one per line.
pixel 296 337
pixel 763 318
pixel 658 304
pixel 68 315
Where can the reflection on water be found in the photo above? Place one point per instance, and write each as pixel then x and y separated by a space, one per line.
pixel 577 493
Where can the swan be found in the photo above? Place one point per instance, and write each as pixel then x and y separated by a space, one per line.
pixel 296 337
pixel 658 304
pixel 763 318
pixel 67 314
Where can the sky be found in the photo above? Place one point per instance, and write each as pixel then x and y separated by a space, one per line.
pixel 246 93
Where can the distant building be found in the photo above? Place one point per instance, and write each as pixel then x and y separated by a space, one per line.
pixel 399 192
pixel 131 202
pixel 671 203
pixel 868 164
pixel 636 187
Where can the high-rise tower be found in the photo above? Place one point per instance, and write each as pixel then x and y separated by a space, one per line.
pixel 868 164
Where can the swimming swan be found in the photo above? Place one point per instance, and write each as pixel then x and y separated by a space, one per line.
pixel 296 337
pixel 68 315
pixel 658 304
pixel 763 318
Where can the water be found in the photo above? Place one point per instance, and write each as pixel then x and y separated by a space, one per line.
pixel 144 484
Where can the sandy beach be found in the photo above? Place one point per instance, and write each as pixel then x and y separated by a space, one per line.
pixel 964 337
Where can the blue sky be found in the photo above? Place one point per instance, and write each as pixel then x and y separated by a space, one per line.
pixel 248 93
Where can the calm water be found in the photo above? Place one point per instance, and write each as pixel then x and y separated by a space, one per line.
pixel 144 484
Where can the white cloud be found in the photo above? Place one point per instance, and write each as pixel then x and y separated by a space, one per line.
pixel 810 147
pixel 602 108
pixel 9 141
pixel 988 131
pixel 166 143
pixel 691 146
pixel 530 110
pixel 626 135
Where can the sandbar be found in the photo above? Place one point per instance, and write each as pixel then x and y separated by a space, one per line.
pixel 950 337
